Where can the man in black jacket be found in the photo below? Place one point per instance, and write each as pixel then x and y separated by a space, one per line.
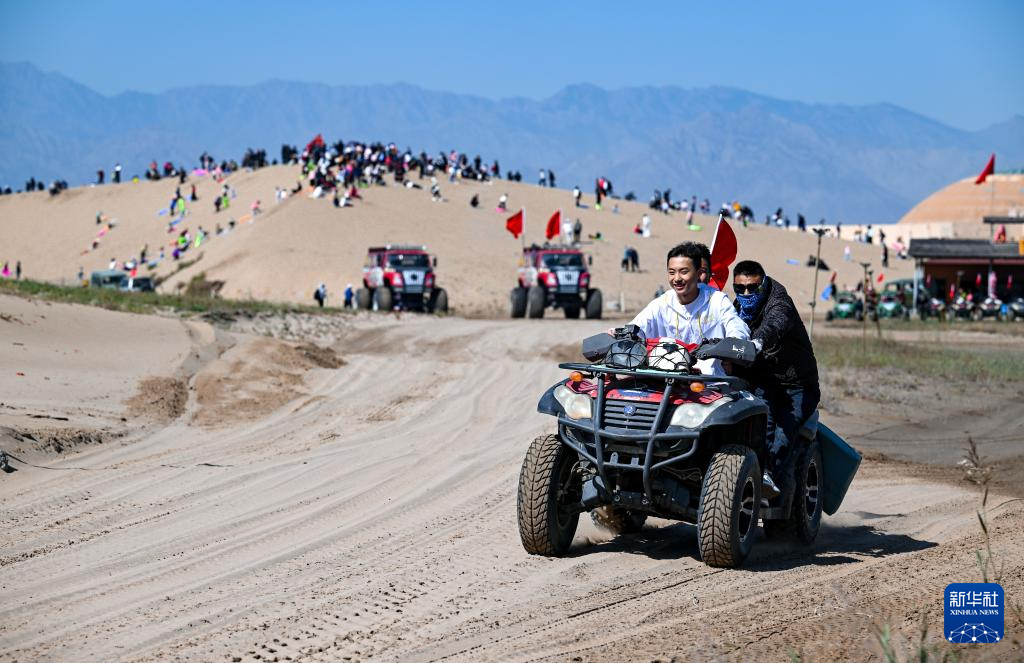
pixel 785 373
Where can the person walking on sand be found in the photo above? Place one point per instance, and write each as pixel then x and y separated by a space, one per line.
pixel 542 178
pixel 349 295
pixel 320 294
pixel 17 271
pixel 576 195
pixel 117 174
pixel 6 271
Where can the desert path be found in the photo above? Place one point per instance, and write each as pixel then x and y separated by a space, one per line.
pixel 374 517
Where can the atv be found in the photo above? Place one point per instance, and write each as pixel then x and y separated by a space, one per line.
pixel 990 307
pixel 932 307
pixel 400 276
pixel 891 306
pixel 642 432
pixel 962 308
pixel 847 305
pixel 554 276
pixel 1015 309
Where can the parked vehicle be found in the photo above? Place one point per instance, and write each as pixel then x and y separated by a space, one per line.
pixel 109 278
pixel 847 306
pixel 988 308
pixel 402 276
pixel 641 432
pixel 1015 309
pixel 891 306
pixel 138 284
pixel 556 277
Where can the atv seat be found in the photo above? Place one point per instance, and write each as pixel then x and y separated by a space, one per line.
pixel 810 428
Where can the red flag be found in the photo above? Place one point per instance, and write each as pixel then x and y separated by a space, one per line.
pixel 881 277
pixel 990 168
pixel 977 280
pixel 554 228
pixel 317 141
pixel 723 253
pixel 1009 281
pixel 514 224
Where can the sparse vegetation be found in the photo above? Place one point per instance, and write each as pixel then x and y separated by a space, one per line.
pixel 925 359
pixel 151 302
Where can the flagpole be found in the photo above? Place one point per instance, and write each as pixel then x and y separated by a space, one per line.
pixel 522 236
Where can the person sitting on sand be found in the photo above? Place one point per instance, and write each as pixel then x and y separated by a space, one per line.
pixel 503 203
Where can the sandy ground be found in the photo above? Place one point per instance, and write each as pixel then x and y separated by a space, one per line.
pixel 355 499
pixel 285 252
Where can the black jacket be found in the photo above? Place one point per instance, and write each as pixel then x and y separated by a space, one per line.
pixel 786 358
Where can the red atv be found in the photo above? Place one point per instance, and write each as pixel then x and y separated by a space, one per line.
pixel 557 277
pixel 400 275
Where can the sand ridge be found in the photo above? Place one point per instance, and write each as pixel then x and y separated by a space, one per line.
pixel 286 251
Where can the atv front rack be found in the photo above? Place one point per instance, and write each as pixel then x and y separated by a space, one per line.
pixel 650 437
pixel 734 383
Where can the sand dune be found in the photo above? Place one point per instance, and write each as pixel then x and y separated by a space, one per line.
pixel 367 511
pixel 286 251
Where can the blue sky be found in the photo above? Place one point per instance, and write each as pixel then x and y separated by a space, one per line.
pixel 959 62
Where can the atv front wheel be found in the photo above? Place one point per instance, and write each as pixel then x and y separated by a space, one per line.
pixel 535 301
pixel 805 513
pixel 618 521
pixel 549 497
pixel 729 504
pixel 517 302
pixel 595 304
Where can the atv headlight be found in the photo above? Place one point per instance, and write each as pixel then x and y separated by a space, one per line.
pixel 692 415
pixel 577 406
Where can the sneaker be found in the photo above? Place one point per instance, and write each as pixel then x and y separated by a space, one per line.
pixel 768 488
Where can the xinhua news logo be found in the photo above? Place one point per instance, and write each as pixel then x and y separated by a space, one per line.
pixel 974 612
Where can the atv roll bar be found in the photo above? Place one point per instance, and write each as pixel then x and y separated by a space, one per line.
pixel 650 437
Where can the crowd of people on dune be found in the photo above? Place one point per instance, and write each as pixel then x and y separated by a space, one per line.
pixel 344 172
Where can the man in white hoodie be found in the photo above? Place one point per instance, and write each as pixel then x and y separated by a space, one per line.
pixel 691 311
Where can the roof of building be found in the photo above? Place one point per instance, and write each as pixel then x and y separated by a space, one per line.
pixel 962 248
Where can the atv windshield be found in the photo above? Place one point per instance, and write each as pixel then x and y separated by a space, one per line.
pixel 408 260
pixel 556 260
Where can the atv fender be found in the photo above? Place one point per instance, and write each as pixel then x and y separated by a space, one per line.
pixel 738 410
pixel 548 404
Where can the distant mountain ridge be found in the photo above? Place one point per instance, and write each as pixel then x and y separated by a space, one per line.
pixel 850 163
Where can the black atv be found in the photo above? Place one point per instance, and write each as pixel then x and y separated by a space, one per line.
pixel 641 432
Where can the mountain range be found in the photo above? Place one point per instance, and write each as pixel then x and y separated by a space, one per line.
pixel 858 164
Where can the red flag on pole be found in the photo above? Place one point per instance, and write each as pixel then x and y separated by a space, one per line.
pixel 977 280
pixel 554 228
pixel 990 168
pixel 514 224
pixel 723 253
pixel 881 277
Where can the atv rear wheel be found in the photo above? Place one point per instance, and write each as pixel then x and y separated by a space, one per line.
pixel 729 504
pixel 439 301
pixel 383 300
pixel 595 304
pixel 535 301
pixel 618 521
pixel 805 514
pixel 364 299
pixel 829 315
pixel 517 302
pixel 549 497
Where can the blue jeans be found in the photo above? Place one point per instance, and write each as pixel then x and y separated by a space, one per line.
pixel 788 409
